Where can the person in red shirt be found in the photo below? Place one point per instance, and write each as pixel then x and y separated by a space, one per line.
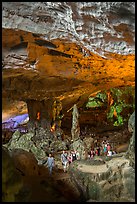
pixel 70 158
pixel 108 147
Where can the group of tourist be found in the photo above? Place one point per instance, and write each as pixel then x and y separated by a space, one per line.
pixel 104 149
pixel 68 157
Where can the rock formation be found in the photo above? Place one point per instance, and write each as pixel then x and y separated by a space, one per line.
pixel 100 27
pixel 86 47
pixel 12 182
pixel 75 130
pixel 107 179
pixel 68 52
pixel 131 149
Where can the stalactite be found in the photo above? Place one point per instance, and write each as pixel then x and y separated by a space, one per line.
pixel 57 116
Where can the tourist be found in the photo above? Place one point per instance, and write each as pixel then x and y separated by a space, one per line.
pixel 74 155
pixel 105 149
pixel 50 163
pixel 109 153
pixel 96 152
pixel 69 158
pixel 98 149
pixel 92 153
pixel 101 151
pixel 77 155
pixel 64 160
pixel 103 143
pixel 108 147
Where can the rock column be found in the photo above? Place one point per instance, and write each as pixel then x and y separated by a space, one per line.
pixel 75 130
pixel 40 113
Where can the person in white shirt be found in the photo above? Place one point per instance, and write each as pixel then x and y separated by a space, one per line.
pixel 109 153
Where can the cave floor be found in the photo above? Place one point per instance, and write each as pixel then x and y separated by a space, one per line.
pixel 55 188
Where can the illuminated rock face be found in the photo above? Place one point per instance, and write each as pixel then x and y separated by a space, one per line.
pixel 66 51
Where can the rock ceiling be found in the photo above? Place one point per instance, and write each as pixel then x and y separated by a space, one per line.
pixel 66 50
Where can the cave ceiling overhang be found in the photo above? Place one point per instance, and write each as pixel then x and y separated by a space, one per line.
pixel 40 63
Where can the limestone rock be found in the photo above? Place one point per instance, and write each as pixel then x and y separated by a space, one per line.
pixel 11 179
pixel 26 143
pixel 112 181
pixel 80 146
pixel 58 145
pixel 131 149
pixel 25 162
pixel 75 130
pixel 60 19
pixel 109 181
pixel 131 122
pixel 89 142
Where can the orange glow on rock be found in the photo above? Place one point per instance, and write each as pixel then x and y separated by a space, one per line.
pixel 115 113
pixel 111 102
pixel 52 128
pixel 38 115
pixel 67 77
pixel 110 99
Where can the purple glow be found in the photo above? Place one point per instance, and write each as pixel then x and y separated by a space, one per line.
pixel 13 122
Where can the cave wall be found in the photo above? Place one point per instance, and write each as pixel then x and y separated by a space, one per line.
pixel 40 111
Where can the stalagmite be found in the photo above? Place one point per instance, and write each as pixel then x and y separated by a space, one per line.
pixel 75 130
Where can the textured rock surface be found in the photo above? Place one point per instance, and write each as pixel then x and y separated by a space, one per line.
pixel 75 130
pixel 26 143
pixel 104 181
pixel 12 182
pixel 98 26
pixel 39 145
pixel 51 50
pixel 25 162
pixel 80 146
pixel 108 178
pixel 131 149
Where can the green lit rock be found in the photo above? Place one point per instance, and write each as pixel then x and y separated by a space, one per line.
pixel 26 143
pixel 120 107
pixel 97 101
